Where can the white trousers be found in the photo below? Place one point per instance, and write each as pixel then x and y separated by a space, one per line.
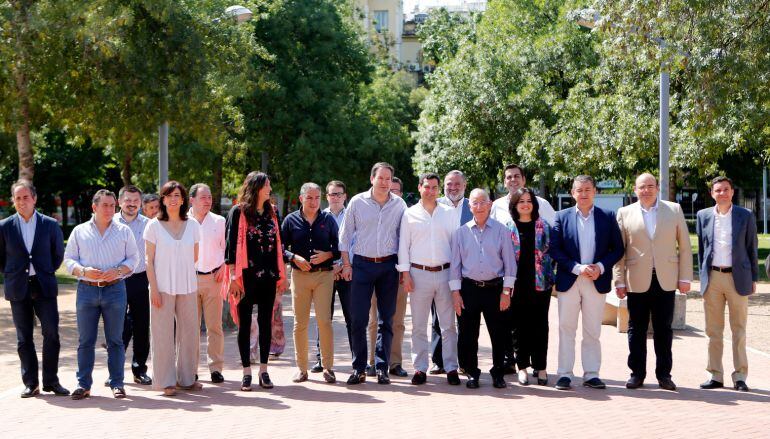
pixel 429 287
pixel 582 297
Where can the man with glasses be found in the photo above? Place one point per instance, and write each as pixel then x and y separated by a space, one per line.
pixel 657 261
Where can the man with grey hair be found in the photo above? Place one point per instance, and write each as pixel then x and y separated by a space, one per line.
pixel 310 240
pixel 150 205
pixel 481 276
pixel 210 271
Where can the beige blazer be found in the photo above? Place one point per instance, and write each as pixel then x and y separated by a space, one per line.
pixel 668 251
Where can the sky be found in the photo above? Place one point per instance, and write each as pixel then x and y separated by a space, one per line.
pixel 409 4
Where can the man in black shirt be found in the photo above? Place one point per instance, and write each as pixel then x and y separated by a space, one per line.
pixel 310 240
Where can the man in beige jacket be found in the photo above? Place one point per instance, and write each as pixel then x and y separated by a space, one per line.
pixel 656 262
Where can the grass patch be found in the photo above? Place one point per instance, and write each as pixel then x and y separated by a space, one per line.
pixel 763 250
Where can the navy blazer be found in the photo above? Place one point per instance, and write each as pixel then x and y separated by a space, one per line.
pixel 46 256
pixel 565 247
pixel 465 215
pixel 744 248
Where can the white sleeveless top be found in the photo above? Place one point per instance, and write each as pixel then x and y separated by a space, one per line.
pixel 174 258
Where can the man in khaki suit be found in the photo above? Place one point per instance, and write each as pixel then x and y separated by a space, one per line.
pixel 656 262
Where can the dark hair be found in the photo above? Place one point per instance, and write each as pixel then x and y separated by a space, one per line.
pixel 102 193
pixel 129 188
pixel 584 179
pixel 249 194
pixel 379 165
pixel 24 183
pixel 515 200
pixel 514 166
pixel 399 183
pixel 149 198
pixel 429 176
pixel 196 187
pixel 337 183
pixel 721 179
pixel 165 191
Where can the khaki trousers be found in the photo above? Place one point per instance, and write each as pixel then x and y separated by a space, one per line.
pixel 316 288
pixel 184 309
pixel 398 328
pixel 721 290
pixel 210 306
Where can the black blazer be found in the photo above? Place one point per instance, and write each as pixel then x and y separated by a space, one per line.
pixel 46 256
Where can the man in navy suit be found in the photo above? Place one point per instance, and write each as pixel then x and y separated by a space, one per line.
pixel 727 260
pixel 585 243
pixel 454 197
pixel 31 249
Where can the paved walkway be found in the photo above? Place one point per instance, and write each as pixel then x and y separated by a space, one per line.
pixel 315 409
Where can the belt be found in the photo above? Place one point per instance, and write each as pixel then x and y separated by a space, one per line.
pixel 496 282
pixel 100 284
pixel 376 260
pixel 204 273
pixel 315 269
pixel 426 268
pixel 722 269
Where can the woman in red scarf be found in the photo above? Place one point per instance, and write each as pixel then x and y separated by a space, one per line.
pixel 255 274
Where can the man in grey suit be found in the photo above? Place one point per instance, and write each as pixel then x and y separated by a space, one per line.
pixel 727 260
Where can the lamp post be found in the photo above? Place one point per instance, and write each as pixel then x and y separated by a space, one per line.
pixel 589 18
pixel 239 14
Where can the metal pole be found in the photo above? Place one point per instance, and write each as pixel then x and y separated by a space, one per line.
pixel 264 162
pixel 664 149
pixel 764 199
pixel 162 154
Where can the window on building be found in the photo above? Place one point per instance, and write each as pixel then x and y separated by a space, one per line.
pixel 381 20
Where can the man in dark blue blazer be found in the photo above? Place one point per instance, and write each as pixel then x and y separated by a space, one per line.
pixel 31 249
pixel 585 243
pixel 727 261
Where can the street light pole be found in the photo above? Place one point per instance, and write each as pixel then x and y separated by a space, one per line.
pixel 664 133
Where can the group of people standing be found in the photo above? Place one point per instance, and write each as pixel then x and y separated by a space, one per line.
pixel 152 279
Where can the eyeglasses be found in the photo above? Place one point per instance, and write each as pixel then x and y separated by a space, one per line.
pixel 336 194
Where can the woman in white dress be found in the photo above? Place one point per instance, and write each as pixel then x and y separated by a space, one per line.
pixel 171 242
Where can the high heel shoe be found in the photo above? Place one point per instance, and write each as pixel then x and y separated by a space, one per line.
pixel 246 383
pixel 544 380
pixel 264 381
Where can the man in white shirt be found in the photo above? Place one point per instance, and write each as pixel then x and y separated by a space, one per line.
pixel 424 253
pixel 515 179
pixel 211 259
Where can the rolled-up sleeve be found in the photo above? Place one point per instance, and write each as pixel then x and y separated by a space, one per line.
pixel 509 259
pixel 456 265
pixel 131 259
pixel 348 228
pixel 404 244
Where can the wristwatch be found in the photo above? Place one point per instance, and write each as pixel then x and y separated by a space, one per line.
pixel 232 277
pixel 507 293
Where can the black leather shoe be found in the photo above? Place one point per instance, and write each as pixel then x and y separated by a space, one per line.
pixel 356 378
pixel 317 367
pixel 216 377
pixel 712 384
pixel 472 383
pixel 595 383
pixel 398 371
pixel 453 378
pixel 30 391
pixel 741 386
pixel 371 371
pixel 634 383
pixel 436 370
pixel 143 379
pixel 382 377
pixel 264 381
pixel 666 384
pixel 57 390
pixel 246 383
pixel 564 383
pixel 419 377
pixel 498 383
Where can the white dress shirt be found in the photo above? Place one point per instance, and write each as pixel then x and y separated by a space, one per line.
pixel 211 248
pixel 457 211
pixel 426 239
pixel 650 217
pixel 28 233
pixel 502 215
pixel 586 241
pixel 723 238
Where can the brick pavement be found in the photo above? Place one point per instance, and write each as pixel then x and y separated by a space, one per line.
pixel 316 409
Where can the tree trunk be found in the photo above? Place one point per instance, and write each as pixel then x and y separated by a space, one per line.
pixel 125 172
pixel 23 142
pixel 24 146
pixel 216 187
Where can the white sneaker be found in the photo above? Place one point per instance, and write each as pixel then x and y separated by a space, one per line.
pixel 523 377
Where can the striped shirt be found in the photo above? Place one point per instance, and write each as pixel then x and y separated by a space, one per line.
pixel 370 230
pixel 137 228
pixel 87 248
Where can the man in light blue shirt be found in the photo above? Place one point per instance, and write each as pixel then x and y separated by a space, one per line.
pixel 370 231
pixel 481 276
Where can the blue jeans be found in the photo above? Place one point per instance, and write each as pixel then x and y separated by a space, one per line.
pixel 382 280
pixel 109 303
